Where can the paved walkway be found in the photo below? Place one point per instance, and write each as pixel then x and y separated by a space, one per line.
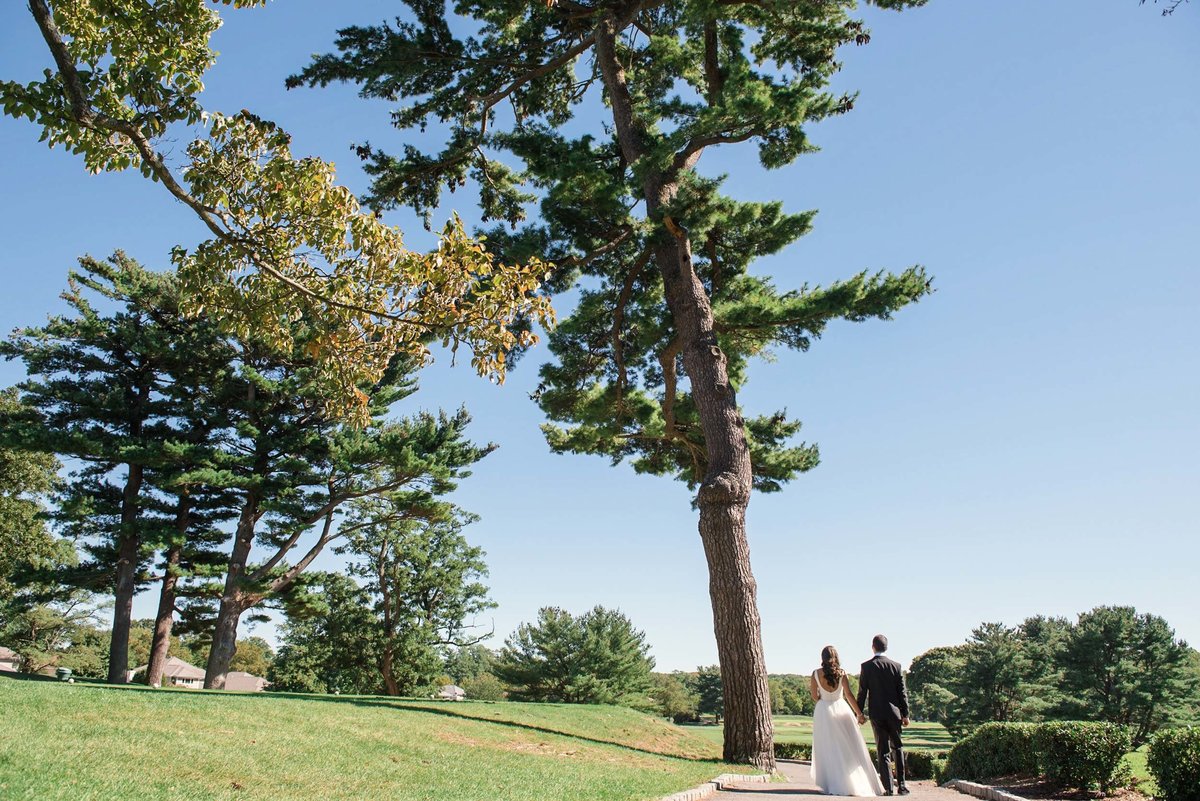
pixel 799 784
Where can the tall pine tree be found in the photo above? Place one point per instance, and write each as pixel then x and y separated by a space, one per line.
pixel 94 376
pixel 655 84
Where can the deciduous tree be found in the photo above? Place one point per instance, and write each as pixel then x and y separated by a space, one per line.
pixel 287 243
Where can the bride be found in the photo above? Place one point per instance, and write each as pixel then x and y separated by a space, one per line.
pixel 841 764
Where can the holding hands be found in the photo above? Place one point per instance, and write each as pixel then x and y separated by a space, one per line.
pixel 861 718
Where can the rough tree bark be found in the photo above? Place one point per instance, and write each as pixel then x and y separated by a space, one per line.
pixel 126 578
pixel 164 621
pixel 129 546
pixel 724 492
pixel 233 598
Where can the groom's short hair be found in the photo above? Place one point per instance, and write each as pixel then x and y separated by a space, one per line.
pixel 879 643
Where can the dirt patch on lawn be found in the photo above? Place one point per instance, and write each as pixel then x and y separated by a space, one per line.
pixel 522 745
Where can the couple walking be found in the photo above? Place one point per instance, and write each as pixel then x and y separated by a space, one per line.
pixel 841 764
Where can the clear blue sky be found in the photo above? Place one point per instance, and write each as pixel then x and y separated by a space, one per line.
pixel 1022 442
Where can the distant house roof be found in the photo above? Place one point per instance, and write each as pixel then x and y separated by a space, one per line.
pixel 452 691
pixel 244 682
pixel 7 654
pixel 175 668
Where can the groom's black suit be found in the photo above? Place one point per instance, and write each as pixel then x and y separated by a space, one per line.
pixel 883 697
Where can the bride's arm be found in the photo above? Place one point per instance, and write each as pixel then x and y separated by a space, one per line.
pixel 812 687
pixel 849 696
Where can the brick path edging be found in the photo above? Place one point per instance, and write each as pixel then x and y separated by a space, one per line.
pixel 715 785
pixel 982 791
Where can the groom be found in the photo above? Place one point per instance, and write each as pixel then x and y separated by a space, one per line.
pixel 882 682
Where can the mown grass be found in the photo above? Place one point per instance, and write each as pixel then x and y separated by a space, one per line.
pixel 1143 781
pixel 85 741
pixel 798 729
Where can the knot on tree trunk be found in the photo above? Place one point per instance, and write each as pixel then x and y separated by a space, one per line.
pixel 723 490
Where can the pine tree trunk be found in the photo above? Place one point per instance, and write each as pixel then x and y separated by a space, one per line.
pixel 725 490
pixel 128 554
pixel 165 619
pixel 723 497
pixel 233 600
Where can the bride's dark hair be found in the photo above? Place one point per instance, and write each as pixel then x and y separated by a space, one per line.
pixel 831 666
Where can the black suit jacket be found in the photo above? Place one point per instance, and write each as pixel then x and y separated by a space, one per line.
pixel 881 691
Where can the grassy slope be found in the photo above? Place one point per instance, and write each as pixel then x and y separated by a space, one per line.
pixel 798 729
pixel 86 741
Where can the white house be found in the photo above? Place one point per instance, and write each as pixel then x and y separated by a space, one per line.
pixel 451 692
pixel 241 681
pixel 177 673
pixel 9 660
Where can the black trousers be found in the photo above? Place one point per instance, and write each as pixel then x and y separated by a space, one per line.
pixel 887 739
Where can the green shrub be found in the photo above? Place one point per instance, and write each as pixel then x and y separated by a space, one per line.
pixel 941 774
pixel 1084 755
pixel 994 749
pixel 917 764
pixel 1174 761
pixel 793 751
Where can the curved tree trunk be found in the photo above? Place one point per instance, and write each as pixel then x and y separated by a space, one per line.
pixel 725 489
pixel 233 600
pixel 164 621
pixel 723 497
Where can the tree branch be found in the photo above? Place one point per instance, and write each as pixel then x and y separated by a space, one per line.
pixel 619 320
pixel 490 100
pixel 88 118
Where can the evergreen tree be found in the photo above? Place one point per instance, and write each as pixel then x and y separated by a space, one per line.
pixel 296 468
pixel 991 684
pixel 710 689
pixel 423 577
pixel 932 678
pixel 93 386
pixel 193 503
pixel 328 650
pixel 594 658
pixel 669 297
pixel 1128 668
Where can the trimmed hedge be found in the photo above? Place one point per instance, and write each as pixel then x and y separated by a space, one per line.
pixel 994 749
pixel 1174 762
pixel 1084 755
pixel 793 751
pixel 919 764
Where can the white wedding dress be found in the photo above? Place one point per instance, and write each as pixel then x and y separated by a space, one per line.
pixel 841 764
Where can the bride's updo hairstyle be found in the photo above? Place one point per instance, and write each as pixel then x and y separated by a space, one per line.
pixel 831 666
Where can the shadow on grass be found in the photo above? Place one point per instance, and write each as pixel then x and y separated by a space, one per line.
pixel 370 702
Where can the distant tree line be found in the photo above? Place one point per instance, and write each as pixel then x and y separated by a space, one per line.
pixel 1111 664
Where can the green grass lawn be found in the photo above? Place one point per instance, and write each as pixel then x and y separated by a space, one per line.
pixel 87 741
pixel 798 729
pixel 1141 773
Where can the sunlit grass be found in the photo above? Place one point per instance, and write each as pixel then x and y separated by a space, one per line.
pixel 798 729
pixel 85 741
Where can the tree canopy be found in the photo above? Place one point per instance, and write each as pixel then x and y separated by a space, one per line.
pixel 288 245
pixel 594 658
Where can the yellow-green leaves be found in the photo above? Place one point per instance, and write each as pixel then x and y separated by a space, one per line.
pixel 292 253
